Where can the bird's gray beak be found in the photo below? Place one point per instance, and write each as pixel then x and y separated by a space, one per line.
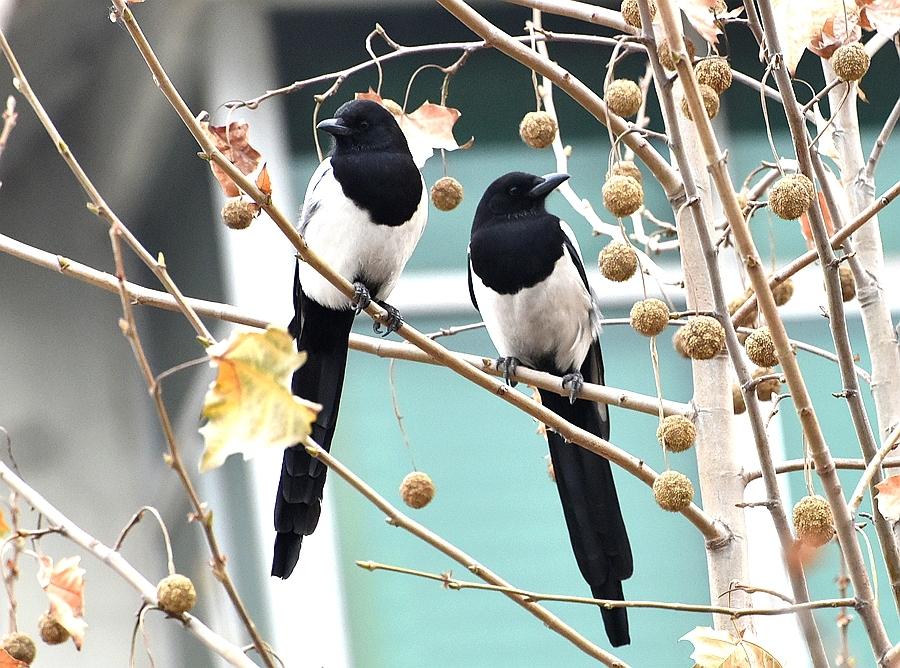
pixel 548 184
pixel 334 126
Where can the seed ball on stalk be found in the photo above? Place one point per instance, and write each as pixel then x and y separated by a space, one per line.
pixel 848 283
pixel 626 168
pixel 710 103
pixel 417 490
pixel 51 631
pixel 446 193
pixel 715 72
pixel 623 97
pixel 20 646
pixel 850 61
pixel 765 389
pixel 737 399
pixel 176 594
pixel 813 521
pixel 761 348
pixel 676 433
pixel 673 491
pixel 618 262
pixel 538 129
pixel 791 195
pixel 703 337
pixel 622 195
pixel 665 53
pixel 237 213
pixel 783 292
pixel 649 317
pixel 632 14
pixel 678 343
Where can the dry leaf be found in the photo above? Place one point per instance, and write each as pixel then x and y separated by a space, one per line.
pixel 700 14
pixel 800 22
pixel 880 15
pixel 7 661
pixel 234 142
pixel 427 128
pixel 64 586
pixel 250 406
pixel 4 527
pixel 888 498
pixel 723 649
pixel 837 31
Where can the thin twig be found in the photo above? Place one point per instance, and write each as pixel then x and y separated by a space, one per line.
pixel 137 517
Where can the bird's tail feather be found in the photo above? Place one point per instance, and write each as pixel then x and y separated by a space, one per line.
pixel 323 333
pixel 591 508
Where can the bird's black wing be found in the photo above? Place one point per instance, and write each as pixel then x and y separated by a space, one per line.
pixel 469 276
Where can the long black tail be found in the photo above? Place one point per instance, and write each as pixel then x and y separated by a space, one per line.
pixel 591 508
pixel 323 333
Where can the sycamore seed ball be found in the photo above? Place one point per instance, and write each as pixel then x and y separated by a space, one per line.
pixel 649 316
pixel 673 491
pixel 813 521
pixel 676 433
pixel 632 14
pixel 791 195
pixel 51 631
pixel 783 292
pixel 237 213
pixel 850 61
pixel 737 399
pixel 622 195
pixel 618 262
pixel 626 168
pixel 538 129
pixel 678 343
pixel 176 594
pixel 761 348
pixel 703 337
pixel 20 646
pixel 848 283
pixel 710 103
pixel 715 73
pixel 665 53
pixel 417 490
pixel 766 389
pixel 623 97
pixel 446 194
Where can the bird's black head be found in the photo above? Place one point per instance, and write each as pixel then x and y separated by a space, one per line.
pixel 515 195
pixel 364 125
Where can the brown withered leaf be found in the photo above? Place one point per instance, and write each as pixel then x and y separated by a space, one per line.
pixel 64 586
pixel 723 649
pixel 701 15
pixel 233 140
pixel 427 128
pixel 7 661
pixel 880 15
pixel 837 31
pixel 888 498
pixel 801 22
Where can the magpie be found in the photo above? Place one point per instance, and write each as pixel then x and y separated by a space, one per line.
pixel 527 279
pixel 364 211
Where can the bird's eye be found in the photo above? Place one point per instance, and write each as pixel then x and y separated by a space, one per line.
pixel 364 125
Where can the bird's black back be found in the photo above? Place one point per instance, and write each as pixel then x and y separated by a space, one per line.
pixel 373 164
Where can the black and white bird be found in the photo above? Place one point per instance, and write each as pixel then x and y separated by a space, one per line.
pixel 527 279
pixel 364 212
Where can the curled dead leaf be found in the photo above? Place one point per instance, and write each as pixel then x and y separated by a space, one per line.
pixel 723 649
pixel 888 498
pixel 233 140
pixel 64 586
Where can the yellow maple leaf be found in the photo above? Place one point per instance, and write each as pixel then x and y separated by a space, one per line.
pixel 723 649
pixel 249 406
pixel 64 586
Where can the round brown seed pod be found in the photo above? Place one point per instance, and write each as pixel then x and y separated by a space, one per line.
pixel 622 195
pixel 176 594
pixel 632 14
pixel 765 389
pixel 649 316
pixel 848 283
pixel 715 73
pixel 665 53
pixel 783 292
pixel 538 129
pixel 237 213
pixel 617 261
pixel 791 195
pixel 623 97
pixel 417 490
pixel 446 193
pixel 703 337
pixel 678 343
pixel 20 646
pixel 710 103
pixel 676 433
pixel 850 61
pixel 760 348
pixel 737 399
pixel 673 491
pixel 626 168
pixel 51 631
pixel 813 521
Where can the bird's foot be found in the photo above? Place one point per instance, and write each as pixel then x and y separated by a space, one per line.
pixel 361 297
pixel 394 319
pixel 508 366
pixel 574 382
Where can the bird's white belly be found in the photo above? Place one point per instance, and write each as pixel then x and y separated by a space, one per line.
pixel 550 319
